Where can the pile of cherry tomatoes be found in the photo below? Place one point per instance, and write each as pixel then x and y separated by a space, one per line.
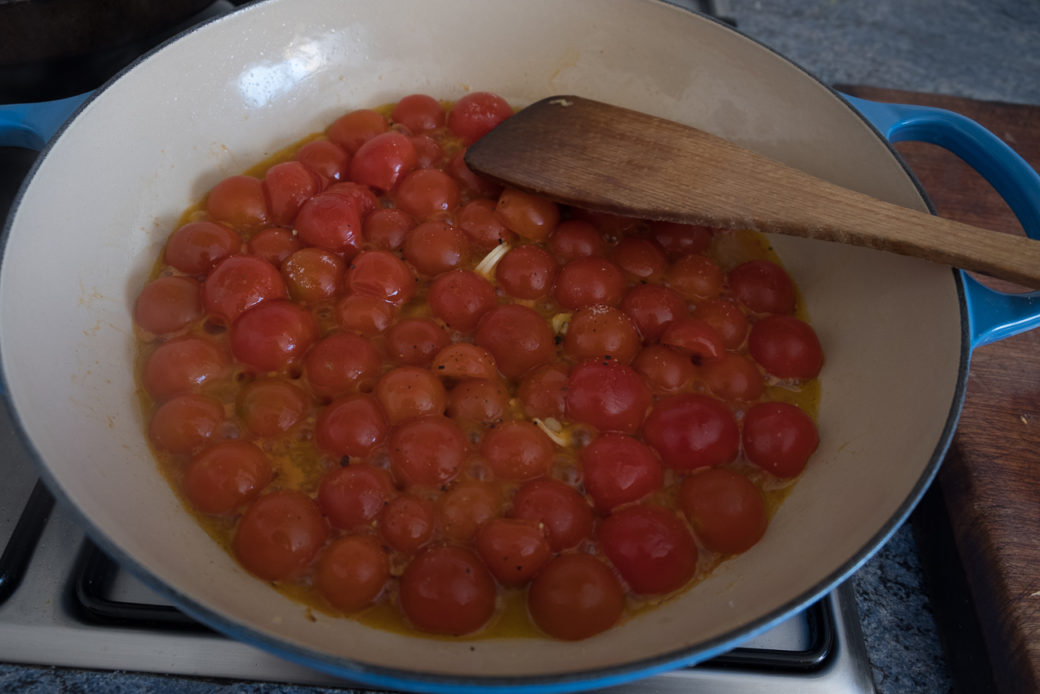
pixel 385 381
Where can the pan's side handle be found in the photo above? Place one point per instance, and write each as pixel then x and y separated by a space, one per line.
pixel 993 315
pixel 32 125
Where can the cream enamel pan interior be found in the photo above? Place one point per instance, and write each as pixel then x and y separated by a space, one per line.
pixel 217 100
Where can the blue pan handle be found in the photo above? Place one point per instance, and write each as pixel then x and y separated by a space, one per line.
pixel 33 125
pixel 992 315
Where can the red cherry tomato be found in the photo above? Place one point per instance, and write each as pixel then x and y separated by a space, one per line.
pixel 639 257
pixel 619 469
pixel 447 590
pixel 185 422
pixel 517 337
pixel 364 315
pixel 352 496
pixel 695 337
pixel 529 216
pixel 197 246
pixel 597 332
pixel 287 186
pixel 353 129
pixel 779 437
pixel 279 535
pixel 325 158
pixel 563 513
pixel 513 549
pixel 763 286
pixel 650 547
pixel 427 450
pixel 419 113
pixel 691 430
pixel 576 238
pixel 732 377
pixel 352 572
pixel 273 335
pixel 725 508
pixel 357 194
pixel 460 298
pixel 786 347
pixel 332 222
pixel 726 317
pixel 482 226
pixel 416 341
pixel 695 277
pixel 680 239
pixel 383 160
pixel 239 202
pixel 607 395
pixel 342 363
pixel 464 360
pixel 181 365
pixel 407 522
pixel 542 391
pixel 478 401
pixel 476 113
pixel 240 282
pixel 167 304
pixel 652 306
pixel 465 507
pixel 352 426
pixel 273 245
pixel 436 247
pixel 386 228
pixel 429 154
pixel 410 391
pixel 225 476
pixel 381 274
pixel 666 370
pixel 517 451
pixel 427 194
pixel 574 597
pixel 527 272
pixel 589 281
pixel 475 184
pixel 313 275
pixel 271 407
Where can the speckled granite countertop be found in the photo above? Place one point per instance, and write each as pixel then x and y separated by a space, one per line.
pixel 984 49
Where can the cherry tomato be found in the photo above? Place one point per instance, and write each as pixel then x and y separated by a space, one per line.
pixel 692 430
pixel 476 113
pixel 383 160
pixel 619 469
pixel 447 590
pixel 517 337
pixel 574 597
pixel 429 154
pixel 607 395
pixel 563 513
pixel 529 216
pixel 410 391
pixel 407 522
pixel 639 257
pixel 732 377
pixel 427 193
pixel 666 370
pixel 313 275
pixel 342 363
pixel 326 159
pixel 185 422
pixel 786 347
pixel 273 245
pixel 576 239
pixel 364 315
pixel 273 335
pixel 597 332
pixel 167 304
pixel 357 194
pixel 763 286
pixel 225 476
pixel 240 282
pixel 271 407
pixel 287 186
pixel 381 274
pixel 478 401
pixel 419 113
pixel 527 272
pixel 726 317
pixel 387 228
pixel 680 239
pixel 352 496
pixel 332 222
pixel 652 306
pixel 353 129
pixel 513 549
pixel 416 341
pixel 542 391
pixel 695 337
pixel 197 246
pixel 279 535
pixel 435 247
pixel 482 227
pixel 725 508
pixel 469 181
pixel 517 451
pixel 464 360
pixel 779 437
pixel 650 547
pixel 352 572
pixel 427 450
pixel 460 298
pixel 352 426
pixel 181 365
pixel 465 507
pixel 695 277
pixel 239 202
pixel 589 281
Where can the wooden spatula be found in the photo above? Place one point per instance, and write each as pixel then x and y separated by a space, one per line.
pixel 609 159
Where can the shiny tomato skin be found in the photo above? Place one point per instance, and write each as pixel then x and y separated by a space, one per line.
pixel 197 246
pixel 279 535
pixel 597 332
pixel 694 337
pixel 512 549
pixel 287 186
pixel 576 238
pixel 527 272
pixel 652 307
pixel 365 315
pixel 419 113
pixel 529 216
pixel 352 496
pixel 482 226
pixel 763 286
pixel 575 596
pixel 650 547
pixel 561 511
pixel 271 407
pixel 460 298
pixel 226 475
pixel 481 401
pixel 779 437
pixel 589 281
pixel 353 129
pixel 352 426
pixel 313 275
pixel 273 245
pixel 725 508
pixel 733 377
pixel 680 239
pixel 273 335
pixel 517 336
pixel 436 247
pixel 332 222
pixel 467 505
pixel 447 590
pixel 695 277
pixel 427 451
pixel 357 194
pixel 517 451
pixel 542 391
pixel 691 430
pixel 428 194
pixel 407 522
pixel 607 395
pixel 352 572
pixel 383 160
pixel 240 282
pixel 786 347
pixel 416 340
pixel 726 317
pixel 386 228
pixel 410 391
pixel 185 422
pixel 461 360
pixel 326 159
pixel 182 365
pixel 342 363
pixel 619 469
pixel 639 257
pixel 475 114
pixel 381 274
pixel 666 370
pixel 239 201
pixel 167 304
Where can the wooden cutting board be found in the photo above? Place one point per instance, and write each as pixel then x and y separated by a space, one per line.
pixel 990 480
